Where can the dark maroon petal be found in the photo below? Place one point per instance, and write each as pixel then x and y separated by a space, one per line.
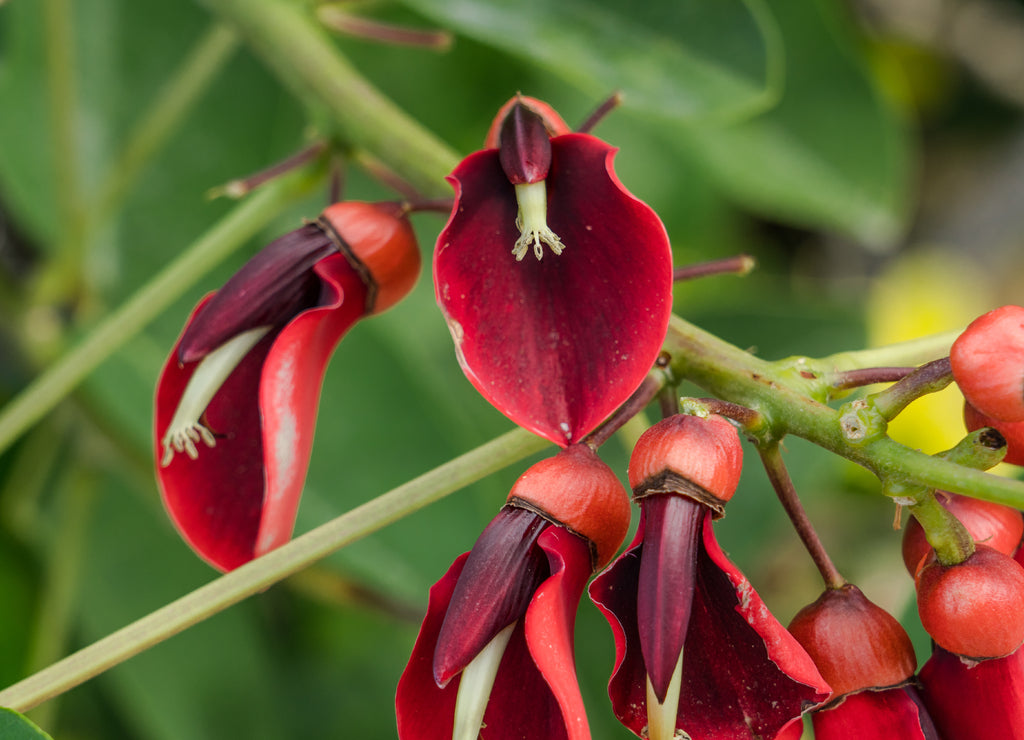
pixel 971 700
pixel 668 571
pixel 272 287
pixel 550 621
pixel 743 674
pixel 524 147
pixel 555 344
pixel 876 715
pixel 502 572
pixel 239 499
pixel 522 704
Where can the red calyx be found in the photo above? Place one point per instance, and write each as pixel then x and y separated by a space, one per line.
pixel 693 456
pixel 973 608
pixel 988 363
pixel 578 491
pixel 855 644
pixel 1000 527
pixel 554 124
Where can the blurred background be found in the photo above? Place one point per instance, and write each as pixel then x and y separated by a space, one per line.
pixel 869 154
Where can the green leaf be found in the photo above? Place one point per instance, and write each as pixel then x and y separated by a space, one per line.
pixel 680 59
pixel 14 726
pixel 833 153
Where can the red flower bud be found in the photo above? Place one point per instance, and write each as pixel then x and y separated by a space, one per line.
pixel 576 490
pixel 524 146
pixel 855 644
pixel 1000 527
pixel 988 363
pixel 554 124
pixel 689 455
pixel 1012 431
pixel 973 608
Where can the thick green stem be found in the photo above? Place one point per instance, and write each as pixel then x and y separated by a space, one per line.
pixel 947 536
pixel 298 50
pixel 48 389
pixel 259 574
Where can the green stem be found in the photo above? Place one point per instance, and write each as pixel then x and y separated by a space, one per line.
pixel 299 51
pixel 785 398
pixel 176 99
pixel 929 378
pixel 948 537
pixel 259 574
pixel 48 389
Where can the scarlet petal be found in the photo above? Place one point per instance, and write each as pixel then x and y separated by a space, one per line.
pixel 975 701
pixel 876 715
pixel 239 499
pixel 743 675
pixel 555 344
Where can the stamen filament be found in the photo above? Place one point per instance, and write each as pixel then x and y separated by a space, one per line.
pixel 185 429
pixel 661 716
pixel 532 221
pixel 475 687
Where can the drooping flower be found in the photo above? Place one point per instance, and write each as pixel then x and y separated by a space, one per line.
pixel 867 658
pixel 555 281
pixel 237 399
pixel 495 649
pixel 696 649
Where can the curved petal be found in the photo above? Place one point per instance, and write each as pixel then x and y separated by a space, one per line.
pixel 975 700
pixel 239 499
pixel 876 715
pixel 550 621
pixel 743 674
pixel 555 344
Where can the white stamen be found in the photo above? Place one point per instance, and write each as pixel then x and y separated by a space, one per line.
pixel 475 687
pixel 532 221
pixel 185 428
pixel 661 717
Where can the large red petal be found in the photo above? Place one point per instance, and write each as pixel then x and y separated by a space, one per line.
pixel 556 344
pixel 876 715
pixel 743 674
pixel 975 700
pixel 239 499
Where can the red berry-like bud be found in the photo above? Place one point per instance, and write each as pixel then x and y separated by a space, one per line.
pixel 855 644
pixel 973 608
pixel 553 123
pixel 575 489
pixel 697 457
pixel 1012 431
pixel 1000 527
pixel 379 241
pixel 988 363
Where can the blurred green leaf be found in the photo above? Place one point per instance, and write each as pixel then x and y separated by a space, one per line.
pixel 680 59
pixel 833 153
pixel 13 726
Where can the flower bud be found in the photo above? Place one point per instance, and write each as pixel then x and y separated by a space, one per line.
pixel 576 490
pixel 554 124
pixel 524 147
pixel 988 363
pixel 855 644
pixel 1000 527
pixel 689 455
pixel 379 241
pixel 973 608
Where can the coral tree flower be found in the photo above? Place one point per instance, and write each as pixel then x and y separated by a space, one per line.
pixel 867 658
pixel 555 281
pixel 696 649
pixel 496 647
pixel 237 399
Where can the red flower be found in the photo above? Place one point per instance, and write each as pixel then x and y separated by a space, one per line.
pixel 496 646
pixel 696 649
pixel 236 402
pixel 555 282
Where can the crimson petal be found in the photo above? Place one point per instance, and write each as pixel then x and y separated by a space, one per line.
pixel 239 499
pixel 743 675
pixel 555 344
pixel 876 715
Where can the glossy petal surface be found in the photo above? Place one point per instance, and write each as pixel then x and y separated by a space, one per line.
pixel 975 701
pixel 239 499
pixel 555 344
pixel 529 699
pixel 743 674
pixel 876 715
